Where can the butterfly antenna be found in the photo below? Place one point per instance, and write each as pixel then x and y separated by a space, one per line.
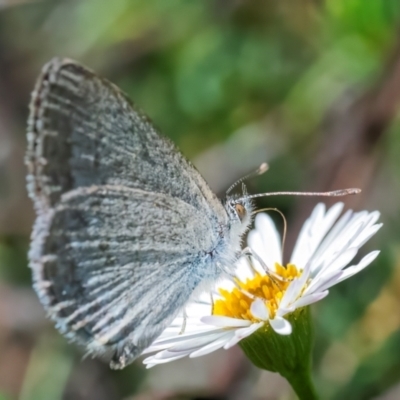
pixel 334 193
pixel 259 171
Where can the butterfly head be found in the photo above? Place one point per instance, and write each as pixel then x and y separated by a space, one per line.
pixel 239 209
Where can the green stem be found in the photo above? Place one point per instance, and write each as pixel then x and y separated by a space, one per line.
pixel 302 384
pixel 289 355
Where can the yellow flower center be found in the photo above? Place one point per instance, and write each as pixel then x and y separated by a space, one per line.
pixel 236 303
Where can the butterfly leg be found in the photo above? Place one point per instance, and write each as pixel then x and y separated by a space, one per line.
pixel 182 331
pixel 234 281
pixel 247 251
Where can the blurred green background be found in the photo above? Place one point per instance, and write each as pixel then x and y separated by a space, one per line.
pixel 310 86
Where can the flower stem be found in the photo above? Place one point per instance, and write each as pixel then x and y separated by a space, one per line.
pixel 302 384
pixel 289 355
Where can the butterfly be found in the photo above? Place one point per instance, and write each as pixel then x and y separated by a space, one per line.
pixel 127 230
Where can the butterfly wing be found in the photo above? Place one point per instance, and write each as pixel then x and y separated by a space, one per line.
pixel 84 131
pixel 113 265
pixel 125 224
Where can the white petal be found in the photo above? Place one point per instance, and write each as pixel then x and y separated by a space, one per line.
pixel 350 271
pixel 281 311
pixel 301 249
pixel 243 271
pixel 167 354
pixel 373 217
pixel 294 289
pixel 260 269
pixel 194 344
pixel 290 294
pixel 184 337
pixel 311 298
pixel 338 263
pixel 281 326
pixel 355 229
pixel 324 281
pixel 203 299
pixel 196 309
pixel 259 310
pixel 226 284
pixel 351 234
pixel 226 322
pixel 155 348
pixel 234 340
pixel 193 325
pixel 256 243
pixel 271 239
pixel 338 240
pixel 152 361
pixel 242 333
pixel 213 346
pixel 313 232
pixel 366 235
pixel 332 235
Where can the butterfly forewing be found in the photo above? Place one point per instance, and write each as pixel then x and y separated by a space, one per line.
pixel 84 131
pixel 126 226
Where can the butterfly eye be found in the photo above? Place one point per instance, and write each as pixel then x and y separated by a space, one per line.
pixel 240 210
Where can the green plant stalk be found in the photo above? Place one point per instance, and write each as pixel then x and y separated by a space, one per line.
pixel 302 384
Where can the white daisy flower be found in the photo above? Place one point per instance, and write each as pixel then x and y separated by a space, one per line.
pixel 263 292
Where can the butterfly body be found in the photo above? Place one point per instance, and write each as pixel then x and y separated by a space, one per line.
pixel 127 230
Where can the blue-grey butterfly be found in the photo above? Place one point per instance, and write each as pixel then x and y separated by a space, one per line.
pixel 126 227
pixel 127 230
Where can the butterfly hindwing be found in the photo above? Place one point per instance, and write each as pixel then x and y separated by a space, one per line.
pixel 114 283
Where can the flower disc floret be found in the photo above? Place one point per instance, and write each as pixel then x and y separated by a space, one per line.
pixel 270 289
